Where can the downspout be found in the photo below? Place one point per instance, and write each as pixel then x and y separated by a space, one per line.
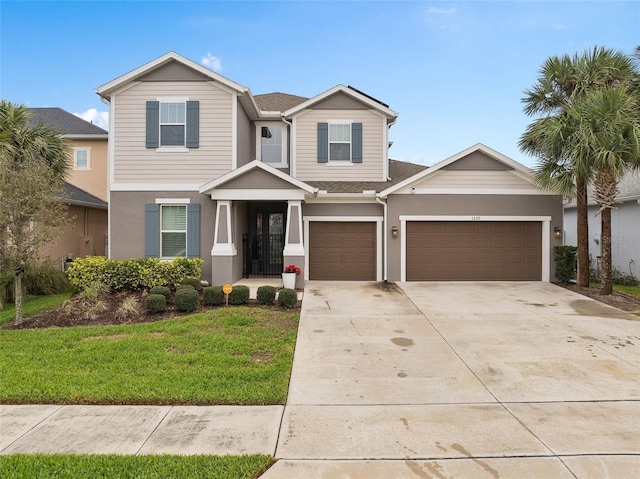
pixel 290 135
pixel 385 239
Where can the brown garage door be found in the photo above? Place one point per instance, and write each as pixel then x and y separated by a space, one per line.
pixel 342 251
pixel 468 251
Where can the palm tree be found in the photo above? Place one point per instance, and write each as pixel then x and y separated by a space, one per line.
pixel 34 160
pixel 609 132
pixel 563 81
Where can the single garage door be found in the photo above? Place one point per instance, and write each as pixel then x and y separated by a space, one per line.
pixel 342 251
pixel 474 251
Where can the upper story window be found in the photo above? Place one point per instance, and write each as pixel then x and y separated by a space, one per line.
pixel 271 141
pixel 81 159
pixel 340 142
pixel 173 123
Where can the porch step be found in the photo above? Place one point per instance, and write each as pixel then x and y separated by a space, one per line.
pixel 255 283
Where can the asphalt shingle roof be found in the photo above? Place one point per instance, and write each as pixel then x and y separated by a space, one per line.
pixel 64 122
pixel 398 171
pixel 278 101
pixel 77 196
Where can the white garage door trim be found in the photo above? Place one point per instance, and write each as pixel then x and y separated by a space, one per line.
pixel 546 240
pixel 349 219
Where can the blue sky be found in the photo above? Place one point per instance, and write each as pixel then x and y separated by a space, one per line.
pixel 454 71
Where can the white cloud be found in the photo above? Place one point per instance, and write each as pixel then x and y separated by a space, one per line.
pixel 212 62
pixel 441 11
pixel 98 118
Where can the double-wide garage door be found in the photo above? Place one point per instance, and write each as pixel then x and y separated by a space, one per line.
pixel 473 251
pixel 342 251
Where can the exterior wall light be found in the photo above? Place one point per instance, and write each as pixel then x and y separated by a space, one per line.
pixel 394 232
pixel 557 232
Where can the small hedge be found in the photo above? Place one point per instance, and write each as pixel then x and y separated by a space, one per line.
pixel 212 296
pixel 287 298
pixel 239 295
pixel 163 290
pixel 195 282
pixel 566 262
pixel 132 274
pixel 184 286
pixel 156 303
pixel 187 300
pixel 266 294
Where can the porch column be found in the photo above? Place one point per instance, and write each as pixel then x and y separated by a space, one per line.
pixel 294 243
pixel 223 249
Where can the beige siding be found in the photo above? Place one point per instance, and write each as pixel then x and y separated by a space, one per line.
pixel 373 148
pixel 133 162
pixel 476 180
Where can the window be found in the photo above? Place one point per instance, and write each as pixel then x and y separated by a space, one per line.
pixel 271 140
pixel 339 142
pixel 81 158
pixel 173 233
pixel 172 124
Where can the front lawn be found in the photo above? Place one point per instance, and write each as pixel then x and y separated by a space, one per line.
pixel 68 466
pixel 239 355
pixel 32 305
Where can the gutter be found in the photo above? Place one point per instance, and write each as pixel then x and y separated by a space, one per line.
pixel 385 249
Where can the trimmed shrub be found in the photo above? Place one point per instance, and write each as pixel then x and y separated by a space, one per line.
pixel 566 262
pixel 181 287
pixel 163 290
pixel 212 296
pixel 195 282
pixel 156 303
pixel 266 294
pixel 132 274
pixel 187 299
pixel 287 298
pixel 239 295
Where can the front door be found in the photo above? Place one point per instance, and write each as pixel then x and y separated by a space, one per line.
pixel 265 242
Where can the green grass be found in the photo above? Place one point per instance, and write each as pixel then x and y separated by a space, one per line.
pixel 67 466
pixel 32 305
pixel 236 355
pixel 628 290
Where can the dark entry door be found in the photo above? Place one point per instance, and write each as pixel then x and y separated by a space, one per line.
pixel 265 244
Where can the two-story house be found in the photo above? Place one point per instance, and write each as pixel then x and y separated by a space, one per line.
pixel 200 167
pixel 86 187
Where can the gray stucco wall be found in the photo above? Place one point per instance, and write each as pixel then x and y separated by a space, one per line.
pixel 468 205
pixel 625 235
pixel 341 209
pixel 127 233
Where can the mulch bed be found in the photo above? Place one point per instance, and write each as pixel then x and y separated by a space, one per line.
pixel 618 300
pixel 72 313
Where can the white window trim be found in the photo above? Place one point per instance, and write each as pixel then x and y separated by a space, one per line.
pixel 339 163
pixel 75 158
pixel 283 159
pixel 546 239
pixel 172 148
pixel 175 202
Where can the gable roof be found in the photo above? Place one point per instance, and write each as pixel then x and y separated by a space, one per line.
pixel 79 197
pixel 212 185
pixel 513 165
pixel 349 91
pixel 278 101
pixel 66 123
pixel 245 96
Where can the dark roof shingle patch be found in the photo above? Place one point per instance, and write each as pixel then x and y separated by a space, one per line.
pixel 64 122
pixel 398 171
pixel 79 197
pixel 278 101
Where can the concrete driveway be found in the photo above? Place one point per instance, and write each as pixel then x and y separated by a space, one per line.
pixel 444 380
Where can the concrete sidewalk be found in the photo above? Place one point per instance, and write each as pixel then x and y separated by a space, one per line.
pixel 218 430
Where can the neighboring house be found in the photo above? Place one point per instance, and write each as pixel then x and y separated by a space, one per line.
pixel 200 167
pixel 86 185
pixel 625 227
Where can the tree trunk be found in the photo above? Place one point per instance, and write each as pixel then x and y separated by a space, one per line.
pixel 606 286
pixel 18 295
pixel 583 233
